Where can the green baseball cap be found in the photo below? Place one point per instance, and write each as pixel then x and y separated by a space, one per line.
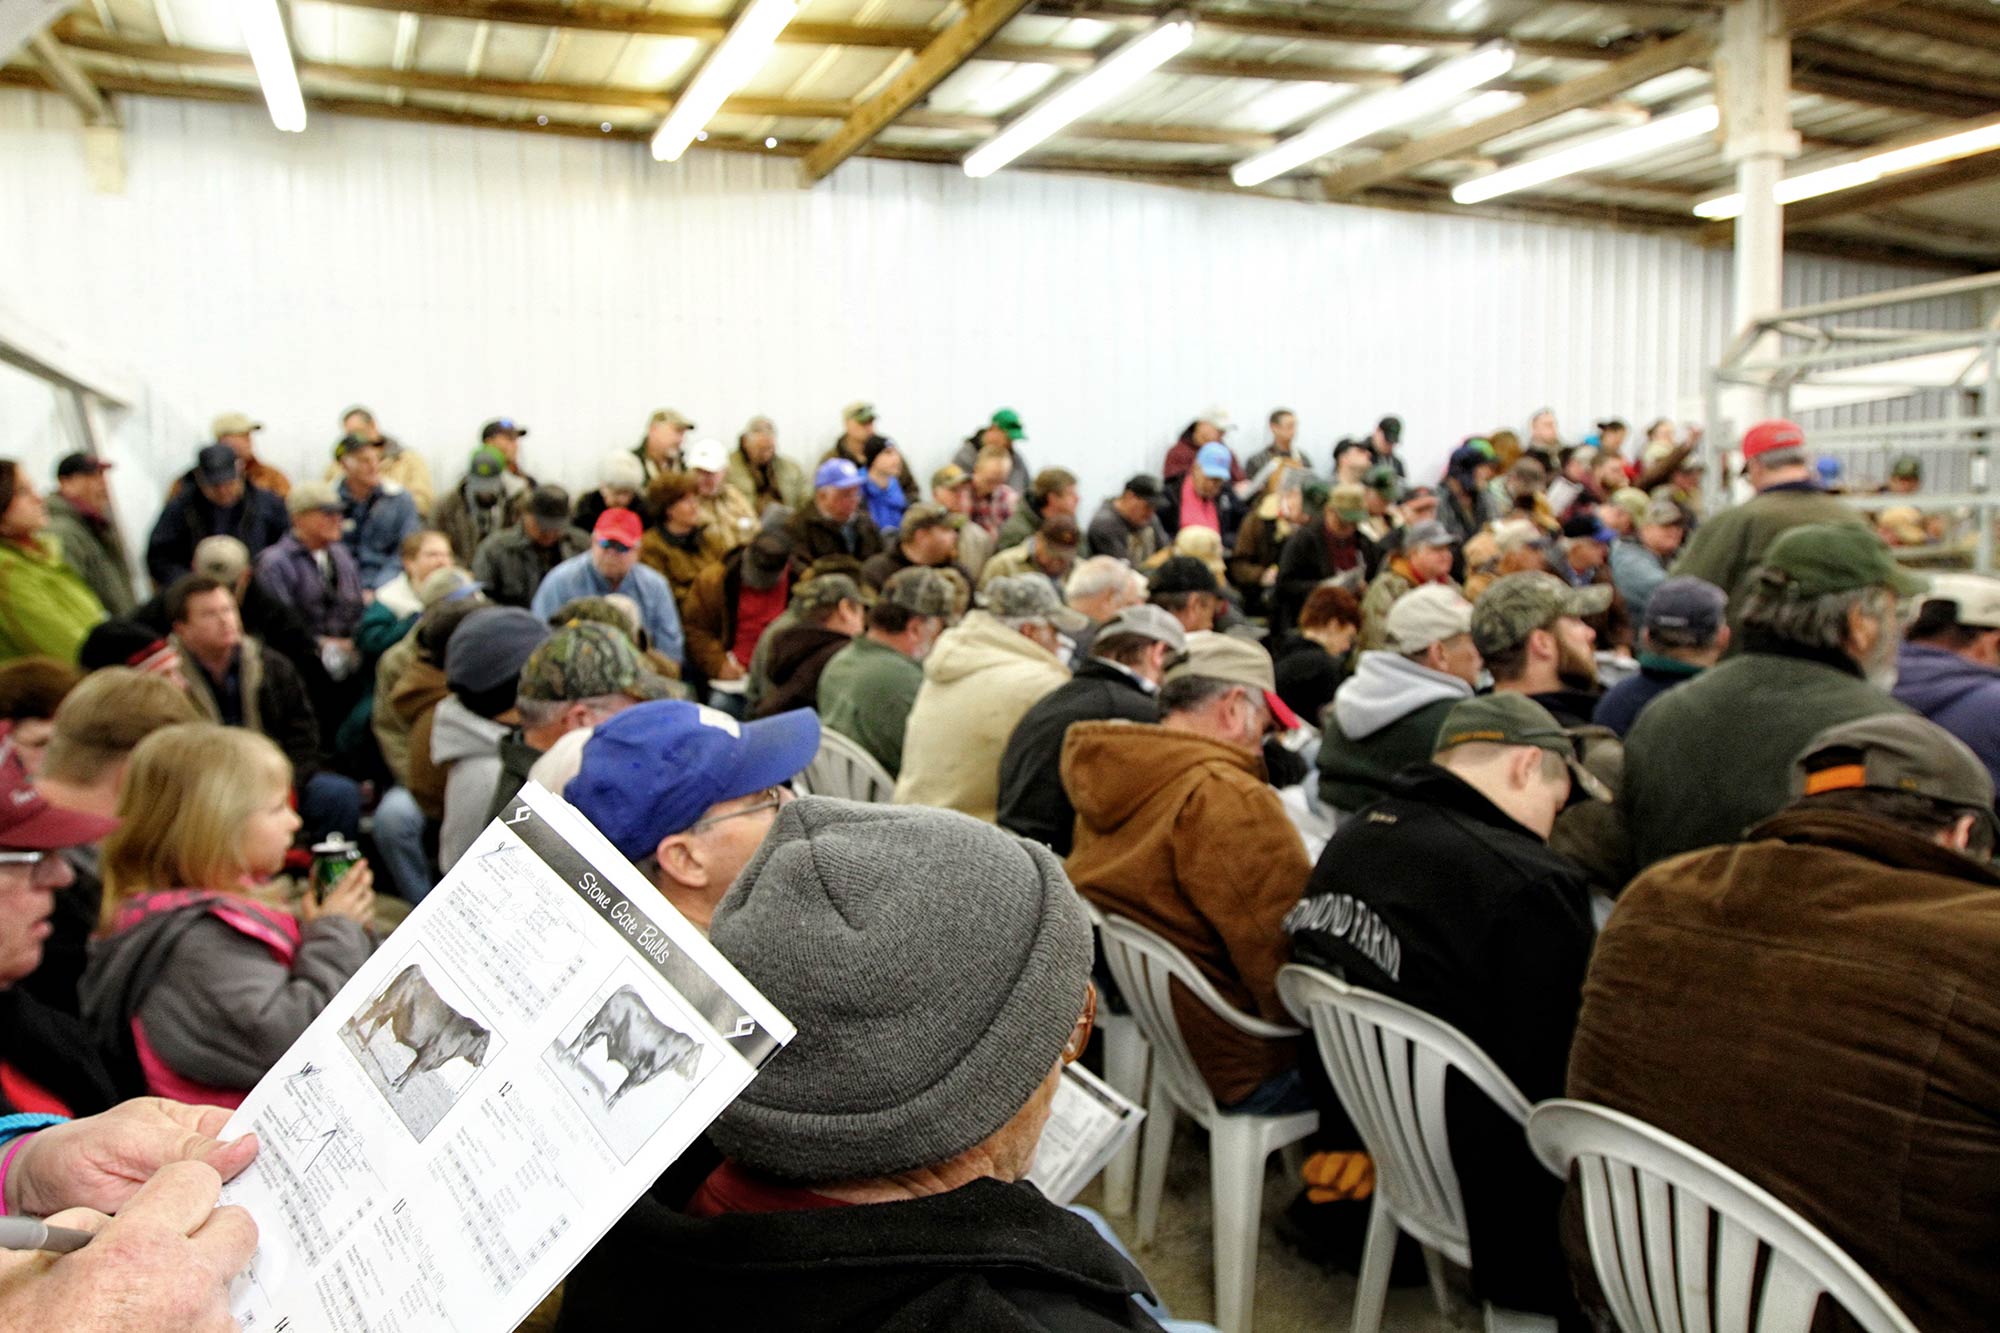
pixel 1515 719
pixel 1895 752
pixel 588 659
pixel 1819 559
pixel 1519 604
pixel 1009 420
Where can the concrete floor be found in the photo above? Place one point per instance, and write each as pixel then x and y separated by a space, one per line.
pixel 1293 1294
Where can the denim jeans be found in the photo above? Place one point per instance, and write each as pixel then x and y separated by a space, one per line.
pixel 330 803
pixel 1281 1094
pixel 399 836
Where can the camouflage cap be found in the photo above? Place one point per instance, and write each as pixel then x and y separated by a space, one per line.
pixel 1519 604
pixel 924 515
pixel 588 659
pixel 922 591
pixel 1030 597
pixel 821 594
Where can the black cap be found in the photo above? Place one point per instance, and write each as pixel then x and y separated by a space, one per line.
pixel 348 444
pixel 1145 486
pixel 80 465
pixel 118 643
pixel 1391 428
pixel 216 465
pixel 549 503
pixel 1184 573
pixel 501 426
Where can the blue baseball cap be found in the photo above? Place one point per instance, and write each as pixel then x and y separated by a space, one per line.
pixel 837 473
pixel 654 769
pixel 1214 460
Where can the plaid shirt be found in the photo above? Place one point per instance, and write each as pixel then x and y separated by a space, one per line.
pixel 992 512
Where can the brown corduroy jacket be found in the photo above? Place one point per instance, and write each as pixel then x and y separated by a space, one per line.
pixel 1819 1008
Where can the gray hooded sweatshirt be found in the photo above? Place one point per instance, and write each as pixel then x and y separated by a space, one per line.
pixel 467 746
pixel 1385 717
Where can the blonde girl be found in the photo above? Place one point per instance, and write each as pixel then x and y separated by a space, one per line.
pixel 199 978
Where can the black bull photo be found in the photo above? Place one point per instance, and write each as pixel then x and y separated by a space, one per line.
pixel 636 1041
pixel 419 1018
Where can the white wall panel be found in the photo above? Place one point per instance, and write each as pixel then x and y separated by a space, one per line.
pixel 444 276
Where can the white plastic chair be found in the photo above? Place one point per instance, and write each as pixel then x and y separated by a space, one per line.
pixel 1145 967
pixel 842 768
pixel 1388 1063
pixel 1126 1055
pixel 1676 1236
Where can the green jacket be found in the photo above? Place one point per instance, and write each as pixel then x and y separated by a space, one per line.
pixel 866 693
pixel 96 552
pixel 1710 758
pixel 1728 546
pixel 45 607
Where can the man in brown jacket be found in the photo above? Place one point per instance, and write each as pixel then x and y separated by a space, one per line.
pixel 1178 830
pixel 1818 1007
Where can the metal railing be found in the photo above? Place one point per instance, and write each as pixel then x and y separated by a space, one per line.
pixel 1807 347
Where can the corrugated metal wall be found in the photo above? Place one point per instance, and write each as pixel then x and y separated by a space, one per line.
pixel 445 276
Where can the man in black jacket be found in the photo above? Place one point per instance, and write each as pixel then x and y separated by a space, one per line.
pixel 213 498
pixel 1121 679
pixel 1445 895
pixel 873 1173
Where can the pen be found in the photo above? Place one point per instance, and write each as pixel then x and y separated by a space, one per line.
pixel 30 1233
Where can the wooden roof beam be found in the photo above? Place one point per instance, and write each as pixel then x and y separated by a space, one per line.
pixel 597 17
pixel 1648 62
pixel 70 79
pixel 1299 28
pixel 976 24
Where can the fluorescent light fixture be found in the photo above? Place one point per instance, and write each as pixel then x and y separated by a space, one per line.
pixel 271 53
pixel 737 58
pixel 1866 170
pixel 1425 95
pixel 1104 81
pixel 1601 151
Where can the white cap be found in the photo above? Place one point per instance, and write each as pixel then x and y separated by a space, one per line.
pixel 621 471
pixel 1217 417
pixel 707 456
pixel 1977 596
pixel 1424 616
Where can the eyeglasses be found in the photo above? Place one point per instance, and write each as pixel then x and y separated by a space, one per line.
pixel 770 798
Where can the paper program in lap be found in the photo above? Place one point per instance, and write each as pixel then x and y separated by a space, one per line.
pixel 492 1090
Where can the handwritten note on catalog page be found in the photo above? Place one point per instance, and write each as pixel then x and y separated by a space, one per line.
pixel 493 1089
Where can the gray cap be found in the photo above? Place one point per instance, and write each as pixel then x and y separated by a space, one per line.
pixel 311 496
pixel 445 585
pixel 221 557
pixel 1030 596
pixel 1424 616
pixel 1894 752
pixel 1429 532
pixel 1687 605
pixel 490 648
pixel 1147 621
pixel 964 955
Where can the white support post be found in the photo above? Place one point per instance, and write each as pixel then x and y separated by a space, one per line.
pixel 1753 86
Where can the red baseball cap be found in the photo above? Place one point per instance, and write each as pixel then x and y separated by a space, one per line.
pixel 30 824
pixel 1766 436
pixel 618 525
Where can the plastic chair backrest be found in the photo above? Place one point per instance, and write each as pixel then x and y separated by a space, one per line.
pixel 842 768
pixel 1146 968
pixel 1676 1237
pixel 1388 1062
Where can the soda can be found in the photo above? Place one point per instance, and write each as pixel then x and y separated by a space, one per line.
pixel 332 859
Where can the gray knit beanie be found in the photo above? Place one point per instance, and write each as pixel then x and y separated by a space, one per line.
pixel 935 966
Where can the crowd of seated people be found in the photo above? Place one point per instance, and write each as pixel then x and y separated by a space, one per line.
pixel 1542 745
